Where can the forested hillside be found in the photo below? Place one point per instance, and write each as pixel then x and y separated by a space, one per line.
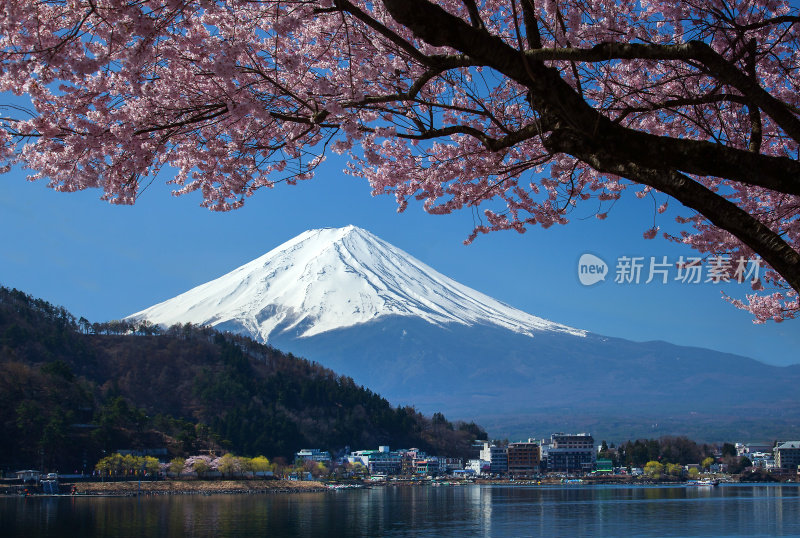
pixel 71 390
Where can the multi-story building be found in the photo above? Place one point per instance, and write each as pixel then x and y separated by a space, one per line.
pixel 406 464
pixel 475 449
pixel 426 466
pixel 787 455
pixel 497 458
pixel 544 449
pixel 571 453
pixel 523 458
pixel 478 466
pixel 746 449
pixel 448 465
pixel 604 466
pixel 381 461
pixel 408 457
pixel 403 462
pixel 762 460
pixel 313 454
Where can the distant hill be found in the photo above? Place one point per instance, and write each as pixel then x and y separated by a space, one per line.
pixel 518 387
pixel 71 390
pixel 366 309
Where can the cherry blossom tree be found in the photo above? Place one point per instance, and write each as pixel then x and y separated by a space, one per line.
pixel 532 108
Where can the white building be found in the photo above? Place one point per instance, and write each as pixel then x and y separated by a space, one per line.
pixel 746 449
pixel 313 454
pixel 479 466
pixel 381 461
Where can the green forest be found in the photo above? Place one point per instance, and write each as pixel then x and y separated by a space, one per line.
pixel 72 391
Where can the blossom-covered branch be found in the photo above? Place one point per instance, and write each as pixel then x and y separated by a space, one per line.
pixel 528 107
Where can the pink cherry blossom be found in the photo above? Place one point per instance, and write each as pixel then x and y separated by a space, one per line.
pixel 531 110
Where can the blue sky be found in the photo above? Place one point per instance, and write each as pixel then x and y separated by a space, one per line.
pixel 104 262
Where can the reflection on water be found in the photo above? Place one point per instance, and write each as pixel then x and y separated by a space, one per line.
pixel 421 511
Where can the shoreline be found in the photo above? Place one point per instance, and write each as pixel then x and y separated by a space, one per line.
pixel 196 487
pixel 251 487
pixel 175 487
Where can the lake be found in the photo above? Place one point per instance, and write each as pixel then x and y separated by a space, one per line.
pixel 474 510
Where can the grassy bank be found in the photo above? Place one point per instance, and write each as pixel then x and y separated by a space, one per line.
pixel 193 487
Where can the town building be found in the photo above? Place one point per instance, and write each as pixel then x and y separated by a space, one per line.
pixel 787 455
pixel 450 465
pixel 544 450
pixel 523 458
pixel 313 454
pixel 381 461
pixel 604 466
pixel 406 462
pixel 762 460
pixel 475 449
pixel 478 466
pixel 426 466
pixel 746 449
pixel 571 453
pixel 29 475
pixel 497 456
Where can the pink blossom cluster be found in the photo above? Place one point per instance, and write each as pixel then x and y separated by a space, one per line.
pixel 211 462
pixel 237 95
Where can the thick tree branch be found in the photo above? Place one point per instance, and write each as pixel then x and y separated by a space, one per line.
pixel 474 14
pixel 698 51
pixel 780 174
pixel 721 212
pixel 756 129
pixel 492 144
pixel 562 107
pixel 585 133
pixel 531 25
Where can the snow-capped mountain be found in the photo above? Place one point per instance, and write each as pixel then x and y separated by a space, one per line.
pixel 333 278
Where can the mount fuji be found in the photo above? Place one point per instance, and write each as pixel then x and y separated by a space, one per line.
pixel 366 309
pixel 334 278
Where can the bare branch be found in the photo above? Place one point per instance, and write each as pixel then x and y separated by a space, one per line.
pixel 756 129
pixel 392 36
pixel 682 102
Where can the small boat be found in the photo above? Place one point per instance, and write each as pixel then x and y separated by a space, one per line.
pixel 703 482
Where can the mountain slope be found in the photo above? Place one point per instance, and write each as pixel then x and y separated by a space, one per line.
pixel 518 386
pixel 67 397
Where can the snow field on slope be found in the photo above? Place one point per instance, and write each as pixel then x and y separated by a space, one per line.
pixel 333 278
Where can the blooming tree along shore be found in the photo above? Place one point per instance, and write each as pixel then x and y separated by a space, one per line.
pixel 531 108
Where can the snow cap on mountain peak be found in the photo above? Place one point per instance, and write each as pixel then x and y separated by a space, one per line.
pixel 331 278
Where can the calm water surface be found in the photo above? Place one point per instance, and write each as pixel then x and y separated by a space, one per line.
pixel 728 510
